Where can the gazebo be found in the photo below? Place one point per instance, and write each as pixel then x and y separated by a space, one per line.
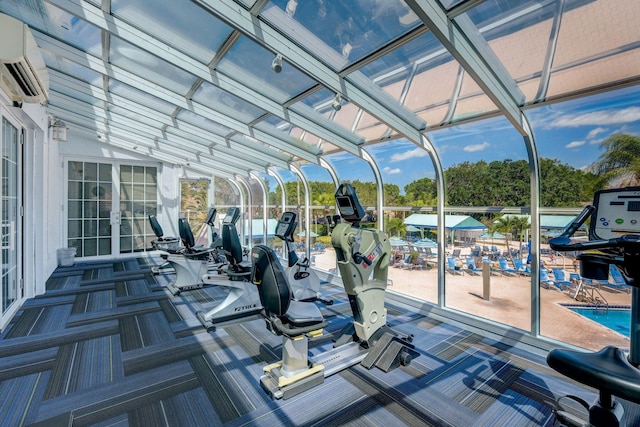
pixel 452 223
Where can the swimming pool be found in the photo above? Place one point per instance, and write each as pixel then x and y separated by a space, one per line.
pixel 617 319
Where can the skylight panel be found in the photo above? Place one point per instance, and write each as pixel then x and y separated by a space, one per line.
pixel 181 24
pixel 140 97
pixel 226 103
pixel 351 30
pixel 251 64
pixel 149 67
pixel 71 68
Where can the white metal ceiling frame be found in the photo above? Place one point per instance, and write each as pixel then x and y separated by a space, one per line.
pixel 462 39
pixel 185 141
pixel 265 133
pixel 307 119
pixel 355 87
pixel 121 137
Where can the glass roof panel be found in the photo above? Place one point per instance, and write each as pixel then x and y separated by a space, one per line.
pixel 58 23
pixel 319 100
pixel 149 67
pixel 181 24
pixel 200 121
pixel 250 64
pixel 73 92
pixel 341 32
pixel 370 128
pixel 226 103
pixel 472 101
pixel 118 88
pixel 430 62
pixel 519 33
pixel 71 68
pixel 134 115
pixel 608 52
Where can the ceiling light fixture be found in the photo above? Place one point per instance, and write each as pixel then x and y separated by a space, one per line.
pixel 291 7
pixel 337 102
pixel 276 65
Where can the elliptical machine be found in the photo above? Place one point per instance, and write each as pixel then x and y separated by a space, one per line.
pixel 614 238
pixel 363 259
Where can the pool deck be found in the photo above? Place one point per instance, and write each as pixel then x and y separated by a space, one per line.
pixel 509 302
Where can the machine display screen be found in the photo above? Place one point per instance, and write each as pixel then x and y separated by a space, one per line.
pixel 617 213
pixel 345 206
pixel 286 225
pixel 232 216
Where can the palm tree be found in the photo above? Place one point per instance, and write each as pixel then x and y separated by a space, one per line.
pixel 620 163
pixel 508 225
pixel 396 227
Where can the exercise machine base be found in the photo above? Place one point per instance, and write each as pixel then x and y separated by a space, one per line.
pixel 388 353
pixel 210 325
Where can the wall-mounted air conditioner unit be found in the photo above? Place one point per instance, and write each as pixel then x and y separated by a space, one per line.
pixel 23 73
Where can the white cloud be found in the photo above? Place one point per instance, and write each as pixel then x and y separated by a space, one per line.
pixel 598 118
pixel 574 144
pixel 595 132
pixel 476 147
pixel 390 171
pixel 416 152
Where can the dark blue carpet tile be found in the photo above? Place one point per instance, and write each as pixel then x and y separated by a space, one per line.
pixel 84 365
pixel 335 402
pixel 187 409
pixel 513 409
pixel 21 398
pixel 143 330
pixel 27 363
pixel 130 393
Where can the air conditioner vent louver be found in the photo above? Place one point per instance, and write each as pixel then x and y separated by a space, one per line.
pixel 19 74
pixel 23 73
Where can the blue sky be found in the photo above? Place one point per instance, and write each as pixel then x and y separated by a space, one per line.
pixel 570 132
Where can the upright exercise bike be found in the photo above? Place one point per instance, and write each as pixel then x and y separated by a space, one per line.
pixel 363 259
pixel 614 238
pixel 304 281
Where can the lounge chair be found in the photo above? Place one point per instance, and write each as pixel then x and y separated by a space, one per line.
pixel 520 268
pixel 415 264
pixel 618 281
pixel 546 281
pixel 560 278
pixel 456 253
pixel 471 267
pixel 452 267
pixel 403 262
pixel 505 269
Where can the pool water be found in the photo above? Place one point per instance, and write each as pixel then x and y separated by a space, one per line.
pixel 615 319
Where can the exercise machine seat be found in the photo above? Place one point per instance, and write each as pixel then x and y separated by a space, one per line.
pixel 169 244
pixel 288 317
pixel 233 249
pixel 607 370
pixel 190 249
